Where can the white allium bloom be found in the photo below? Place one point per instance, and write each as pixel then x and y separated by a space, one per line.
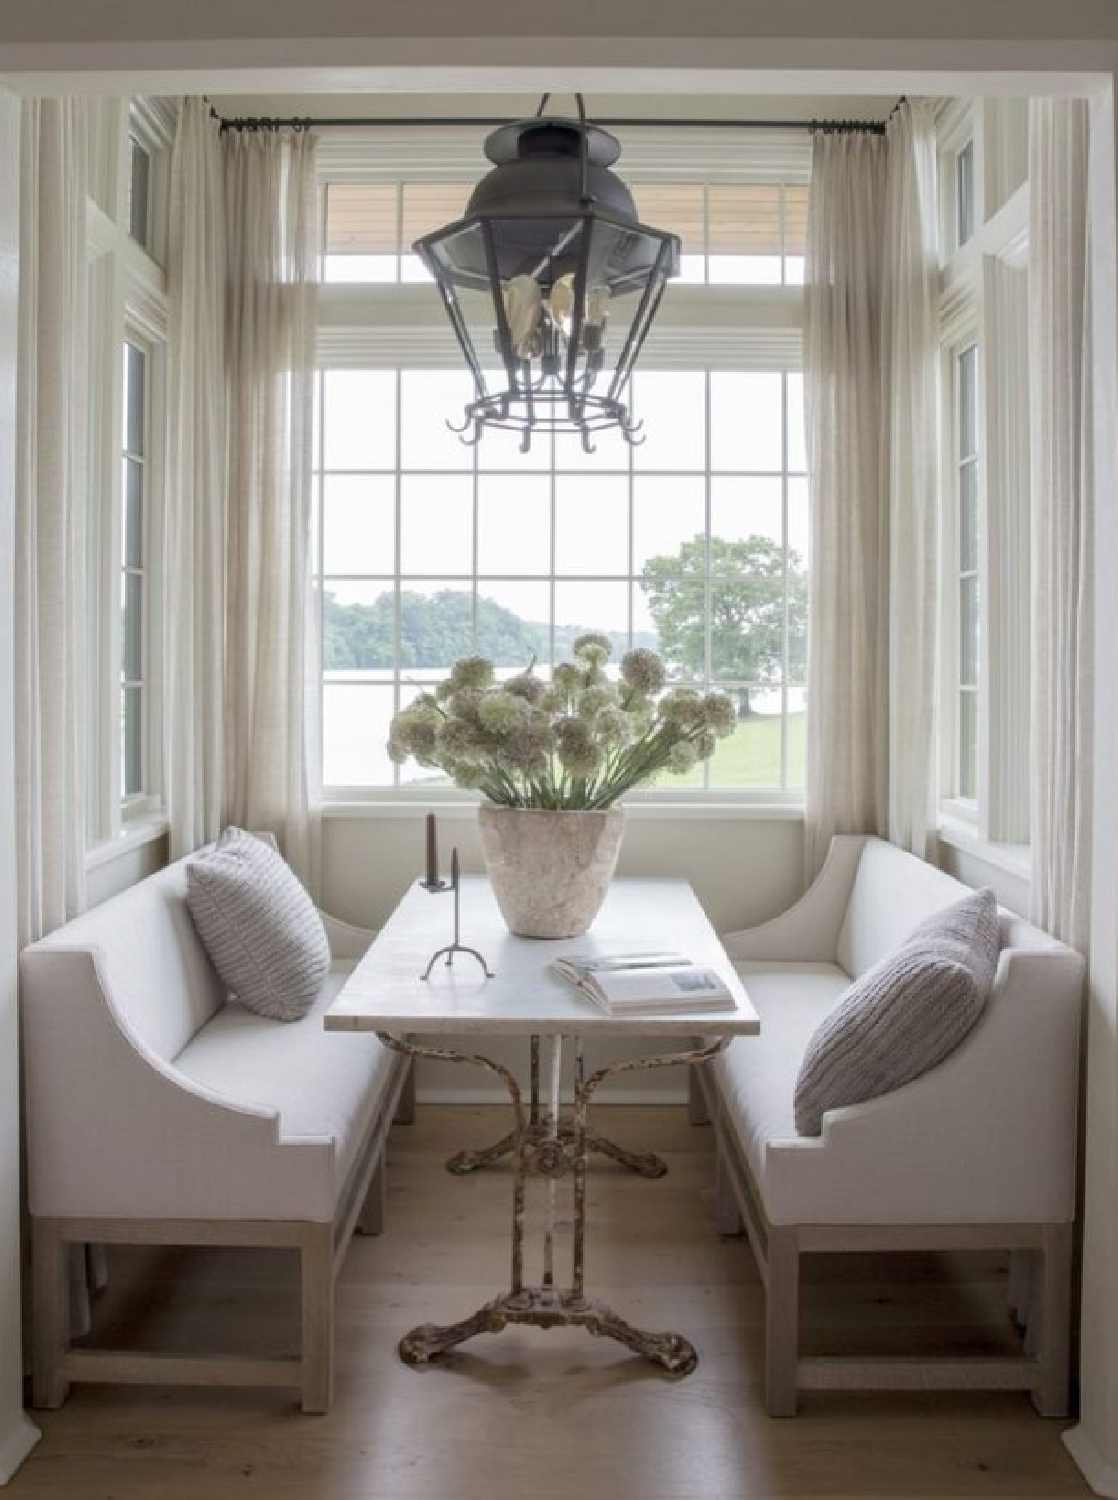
pixel 499 712
pixel 719 715
pixel 591 699
pixel 682 758
pixel 613 726
pixel 593 647
pixel 642 669
pixel 567 678
pixel 471 672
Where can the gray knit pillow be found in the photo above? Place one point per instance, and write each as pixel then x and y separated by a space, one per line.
pixel 903 1016
pixel 258 925
pixel 968 931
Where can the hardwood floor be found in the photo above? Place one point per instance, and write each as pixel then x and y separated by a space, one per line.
pixel 531 1415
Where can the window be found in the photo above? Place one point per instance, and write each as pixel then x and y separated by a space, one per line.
pixel 133 587
pixel 128 324
pixel 968 601
pixel 139 192
pixel 733 234
pixel 985 474
pixel 964 194
pixel 694 543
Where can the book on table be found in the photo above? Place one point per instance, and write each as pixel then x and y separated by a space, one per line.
pixel 645 982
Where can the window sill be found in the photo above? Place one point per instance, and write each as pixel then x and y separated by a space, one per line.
pixel 135 835
pixel 665 811
pixel 1014 859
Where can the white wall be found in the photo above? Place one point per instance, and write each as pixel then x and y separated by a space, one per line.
pixel 17 1436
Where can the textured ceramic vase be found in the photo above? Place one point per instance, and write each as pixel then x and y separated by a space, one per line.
pixel 549 870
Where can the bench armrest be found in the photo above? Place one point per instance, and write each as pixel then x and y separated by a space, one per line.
pixel 809 929
pixel 987 1136
pixel 115 1131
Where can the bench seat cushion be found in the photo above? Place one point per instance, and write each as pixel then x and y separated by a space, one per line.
pixel 325 1085
pixel 757 1074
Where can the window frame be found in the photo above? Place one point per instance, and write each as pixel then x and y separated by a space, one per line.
pixel 128 304
pixel 731 327
pixel 984 301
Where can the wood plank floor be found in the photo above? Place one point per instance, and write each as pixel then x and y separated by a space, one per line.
pixel 532 1415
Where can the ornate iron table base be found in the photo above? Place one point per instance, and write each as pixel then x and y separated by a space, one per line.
pixel 645 1163
pixel 542 1308
pixel 550 1148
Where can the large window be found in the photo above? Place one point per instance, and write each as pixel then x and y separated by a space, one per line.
pixel 732 233
pixel 127 199
pixel 984 656
pixel 694 543
pixel 965 479
pixel 133 581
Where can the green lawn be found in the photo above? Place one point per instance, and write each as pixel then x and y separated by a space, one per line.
pixel 751 756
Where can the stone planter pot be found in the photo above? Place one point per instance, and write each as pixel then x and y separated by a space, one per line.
pixel 549 870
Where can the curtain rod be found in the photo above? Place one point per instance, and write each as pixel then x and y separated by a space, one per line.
pixel 299 123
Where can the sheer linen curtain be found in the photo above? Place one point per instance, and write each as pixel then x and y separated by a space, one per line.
pixel 910 359
pixel 51 620
pixel 272 265
pixel 195 486
pixel 1062 666
pixel 843 406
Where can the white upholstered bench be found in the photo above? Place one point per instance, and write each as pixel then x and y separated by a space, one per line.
pixel 977 1153
pixel 158 1113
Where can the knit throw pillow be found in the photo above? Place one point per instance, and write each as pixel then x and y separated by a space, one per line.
pixel 903 1016
pixel 258 925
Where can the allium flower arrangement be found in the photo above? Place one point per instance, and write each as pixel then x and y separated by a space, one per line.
pixel 580 740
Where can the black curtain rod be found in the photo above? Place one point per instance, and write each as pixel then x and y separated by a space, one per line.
pixel 829 127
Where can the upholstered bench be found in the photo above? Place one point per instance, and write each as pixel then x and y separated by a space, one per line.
pixel 159 1113
pixel 978 1152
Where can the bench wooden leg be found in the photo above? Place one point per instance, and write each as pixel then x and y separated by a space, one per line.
pixel 371 1218
pixel 782 1321
pixel 1051 1300
pixel 50 1332
pixel 727 1216
pixel 697 1112
pixel 317 1317
pixel 405 1105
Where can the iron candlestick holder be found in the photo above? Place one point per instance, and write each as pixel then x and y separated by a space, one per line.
pixel 456 946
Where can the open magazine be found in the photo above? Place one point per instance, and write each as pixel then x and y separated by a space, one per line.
pixel 621 983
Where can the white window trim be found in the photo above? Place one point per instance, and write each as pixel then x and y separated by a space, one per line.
pixel 959 330
pixel 128 301
pixel 984 300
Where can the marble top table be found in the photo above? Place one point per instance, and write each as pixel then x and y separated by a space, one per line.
pixel 412 1014
pixel 385 991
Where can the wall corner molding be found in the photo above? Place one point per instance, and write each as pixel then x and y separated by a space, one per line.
pixel 1099 1474
pixel 15 1445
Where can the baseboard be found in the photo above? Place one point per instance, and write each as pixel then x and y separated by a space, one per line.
pixel 15 1445
pixel 1100 1475
pixel 677 1097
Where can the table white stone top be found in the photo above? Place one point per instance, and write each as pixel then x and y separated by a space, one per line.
pixel 385 991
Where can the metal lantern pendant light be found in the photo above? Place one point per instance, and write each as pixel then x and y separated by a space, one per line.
pixel 550 282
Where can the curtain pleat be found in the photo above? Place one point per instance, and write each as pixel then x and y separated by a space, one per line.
pixel 910 358
pixel 1060 414
pixel 195 486
pixel 52 745
pixel 842 363
pixel 272 266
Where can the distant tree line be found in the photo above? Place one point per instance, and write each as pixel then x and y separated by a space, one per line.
pixel 757 606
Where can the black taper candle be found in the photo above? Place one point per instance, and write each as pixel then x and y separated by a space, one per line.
pixel 432 878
